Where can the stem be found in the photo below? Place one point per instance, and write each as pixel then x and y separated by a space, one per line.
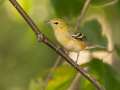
pixel 108 4
pixel 82 14
pixel 75 83
pixel 42 38
pixel 49 75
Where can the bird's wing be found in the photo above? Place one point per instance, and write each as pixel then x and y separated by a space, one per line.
pixel 79 36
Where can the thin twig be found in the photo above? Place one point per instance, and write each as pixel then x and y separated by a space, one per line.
pixel 75 82
pixel 42 38
pixel 108 4
pixel 82 14
pixel 55 65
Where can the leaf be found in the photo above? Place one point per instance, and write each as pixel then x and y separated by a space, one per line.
pixel 36 84
pixel 68 9
pixel 93 32
pixel 61 79
pixel 105 74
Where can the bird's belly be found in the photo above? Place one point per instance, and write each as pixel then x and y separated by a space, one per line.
pixel 75 46
pixel 68 42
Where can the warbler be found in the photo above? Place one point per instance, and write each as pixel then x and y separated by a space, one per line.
pixel 71 42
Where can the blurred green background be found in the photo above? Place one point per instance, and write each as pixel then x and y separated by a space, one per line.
pixel 23 59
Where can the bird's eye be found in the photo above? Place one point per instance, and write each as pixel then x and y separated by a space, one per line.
pixel 56 23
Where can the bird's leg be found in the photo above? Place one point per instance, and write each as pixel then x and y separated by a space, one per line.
pixel 77 56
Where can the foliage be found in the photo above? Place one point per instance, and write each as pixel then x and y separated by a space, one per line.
pixel 22 59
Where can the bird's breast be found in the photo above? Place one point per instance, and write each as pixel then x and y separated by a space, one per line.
pixel 75 45
pixel 68 42
pixel 62 36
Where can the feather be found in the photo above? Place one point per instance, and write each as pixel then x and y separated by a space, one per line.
pixel 79 36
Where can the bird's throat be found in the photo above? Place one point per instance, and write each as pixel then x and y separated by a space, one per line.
pixel 62 36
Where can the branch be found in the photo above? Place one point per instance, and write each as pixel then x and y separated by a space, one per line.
pixel 108 4
pixel 75 83
pixel 42 38
pixel 49 75
pixel 82 13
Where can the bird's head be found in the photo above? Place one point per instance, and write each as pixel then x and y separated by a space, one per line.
pixel 57 23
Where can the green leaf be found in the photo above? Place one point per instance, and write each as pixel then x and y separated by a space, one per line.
pixel 61 79
pixel 105 74
pixel 92 30
pixel 68 9
pixel 36 84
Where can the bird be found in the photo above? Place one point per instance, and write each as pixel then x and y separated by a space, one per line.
pixel 71 42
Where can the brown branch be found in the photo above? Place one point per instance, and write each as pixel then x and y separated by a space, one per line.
pixel 42 38
pixel 82 14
